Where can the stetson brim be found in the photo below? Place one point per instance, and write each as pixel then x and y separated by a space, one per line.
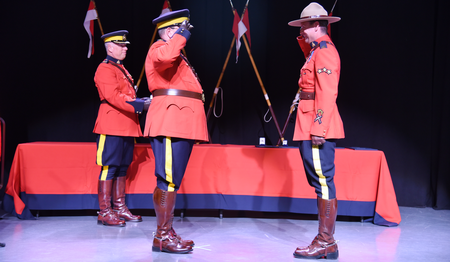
pixel 330 19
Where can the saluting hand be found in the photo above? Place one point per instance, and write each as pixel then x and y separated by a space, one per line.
pixel 186 25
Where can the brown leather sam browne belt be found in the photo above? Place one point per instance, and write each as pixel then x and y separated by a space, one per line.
pixel 177 92
pixel 306 95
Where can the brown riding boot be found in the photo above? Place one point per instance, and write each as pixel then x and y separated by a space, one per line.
pixel 119 205
pixel 106 215
pixel 185 242
pixel 165 240
pixel 323 245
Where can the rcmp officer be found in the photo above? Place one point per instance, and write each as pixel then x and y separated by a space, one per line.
pixel 175 120
pixel 116 127
pixel 318 123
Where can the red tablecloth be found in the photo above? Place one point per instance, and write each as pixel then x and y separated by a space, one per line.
pixel 60 175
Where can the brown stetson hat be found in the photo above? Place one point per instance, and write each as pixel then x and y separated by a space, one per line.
pixel 314 12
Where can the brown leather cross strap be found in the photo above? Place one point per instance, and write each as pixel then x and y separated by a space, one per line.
pixel 177 92
pixel 125 74
pixel 307 95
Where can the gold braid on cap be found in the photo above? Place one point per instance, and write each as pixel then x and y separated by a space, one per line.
pixel 115 38
pixel 170 22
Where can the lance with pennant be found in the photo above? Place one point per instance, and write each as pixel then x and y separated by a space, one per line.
pixel 216 90
pixel 266 96
pixel 98 18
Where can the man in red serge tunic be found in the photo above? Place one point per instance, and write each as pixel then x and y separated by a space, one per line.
pixel 117 125
pixel 175 120
pixel 318 123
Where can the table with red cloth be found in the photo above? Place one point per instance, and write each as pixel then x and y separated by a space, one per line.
pixel 64 176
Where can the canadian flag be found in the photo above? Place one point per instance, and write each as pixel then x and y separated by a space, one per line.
pixel 239 30
pixel 91 15
pixel 166 7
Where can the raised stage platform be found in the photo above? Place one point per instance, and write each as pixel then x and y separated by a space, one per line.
pixel 64 176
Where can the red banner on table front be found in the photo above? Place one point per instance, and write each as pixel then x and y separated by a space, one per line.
pixel 59 168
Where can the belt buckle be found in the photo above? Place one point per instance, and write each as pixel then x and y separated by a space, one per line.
pixel 171 92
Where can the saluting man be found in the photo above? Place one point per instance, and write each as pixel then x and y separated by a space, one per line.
pixel 318 123
pixel 175 120
pixel 117 126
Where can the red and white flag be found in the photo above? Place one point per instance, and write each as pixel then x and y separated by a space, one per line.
pixel 166 7
pixel 247 25
pixel 239 30
pixel 91 15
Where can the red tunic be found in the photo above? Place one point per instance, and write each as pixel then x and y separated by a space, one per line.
pixel 320 74
pixel 173 116
pixel 115 117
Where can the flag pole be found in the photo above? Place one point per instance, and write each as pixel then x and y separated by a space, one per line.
pixel 335 2
pixel 216 90
pixel 291 110
pixel 220 78
pixel 256 72
pixel 143 67
pixel 151 42
pixel 266 96
pixel 98 18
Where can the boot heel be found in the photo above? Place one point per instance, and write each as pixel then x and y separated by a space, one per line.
pixel 156 249
pixel 333 255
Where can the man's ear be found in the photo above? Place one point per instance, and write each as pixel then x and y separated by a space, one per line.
pixel 166 32
pixel 108 48
pixel 316 26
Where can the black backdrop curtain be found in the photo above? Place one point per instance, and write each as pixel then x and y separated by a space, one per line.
pixel 392 93
pixel 440 139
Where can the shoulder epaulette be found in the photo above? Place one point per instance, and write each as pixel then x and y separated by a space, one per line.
pixel 323 44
